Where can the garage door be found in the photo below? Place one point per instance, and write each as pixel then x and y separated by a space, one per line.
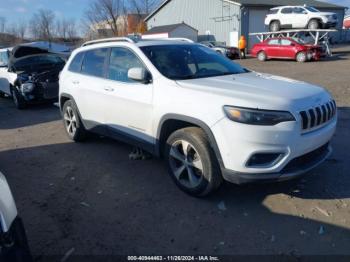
pixel 256 24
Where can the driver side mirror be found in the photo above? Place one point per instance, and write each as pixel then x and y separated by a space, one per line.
pixel 139 74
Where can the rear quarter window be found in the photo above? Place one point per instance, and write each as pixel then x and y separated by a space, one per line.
pixel 273 11
pixel 75 65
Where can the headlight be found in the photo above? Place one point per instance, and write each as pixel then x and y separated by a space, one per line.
pixel 27 87
pixel 329 16
pixel 257 117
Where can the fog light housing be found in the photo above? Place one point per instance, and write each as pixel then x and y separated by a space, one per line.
pixel 264 160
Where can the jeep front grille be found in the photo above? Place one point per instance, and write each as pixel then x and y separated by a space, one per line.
pixel 318 116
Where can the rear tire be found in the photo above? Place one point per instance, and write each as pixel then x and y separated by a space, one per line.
pixel 275 26
pixel 313 25
pixel 192 163
pixel 301 57
pixel 72 122
pixel 262 56
pixel 18 100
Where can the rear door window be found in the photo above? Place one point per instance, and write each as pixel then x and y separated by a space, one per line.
pixel 286 42
pixel 274 42
pixel 94 62
pixel 287 10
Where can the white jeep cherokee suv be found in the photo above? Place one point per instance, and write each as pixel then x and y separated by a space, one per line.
pixel 298 17
pixel 209 118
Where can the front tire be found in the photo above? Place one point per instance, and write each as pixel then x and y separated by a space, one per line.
pixel 313 25
pixel 72 122
pixel 301 57
pixel 192 163
pixel 18 99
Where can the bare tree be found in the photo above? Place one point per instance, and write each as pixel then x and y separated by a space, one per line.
pixel 106 13
pixel 72 31
pixel 143 7
pixel 2 24
pixel 42 25
pixel 62 28
pixel 22 29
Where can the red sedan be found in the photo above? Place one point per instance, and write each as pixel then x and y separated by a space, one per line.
pixel 286 48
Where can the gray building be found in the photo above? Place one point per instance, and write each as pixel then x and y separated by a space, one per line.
pixel 172 31
pixel 226 20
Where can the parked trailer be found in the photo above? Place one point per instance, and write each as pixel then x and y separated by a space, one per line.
pixel 318 36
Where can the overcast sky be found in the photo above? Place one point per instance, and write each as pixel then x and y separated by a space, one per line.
pixel 16 10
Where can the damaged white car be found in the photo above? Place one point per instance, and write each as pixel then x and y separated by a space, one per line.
pixel 29 75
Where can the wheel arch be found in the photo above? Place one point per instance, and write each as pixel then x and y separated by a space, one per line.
pixel 63 98
pixel 173 122
pixel 318 19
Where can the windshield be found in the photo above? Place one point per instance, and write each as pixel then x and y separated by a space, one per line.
pixel 312 9
pixel 181 62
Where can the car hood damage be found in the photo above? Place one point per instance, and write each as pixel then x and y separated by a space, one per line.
pixel 22 51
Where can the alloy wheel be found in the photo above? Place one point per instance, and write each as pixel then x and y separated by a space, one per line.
pixel 186 164
pixel 70 121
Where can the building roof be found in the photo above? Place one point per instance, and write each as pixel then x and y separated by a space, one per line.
pixel 165 29
pixel 269 3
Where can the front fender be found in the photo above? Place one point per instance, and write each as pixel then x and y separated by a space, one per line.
pixel 8 210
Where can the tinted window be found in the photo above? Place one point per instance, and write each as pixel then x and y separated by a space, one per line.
pixel 94 62
pixel 75 65
pixel 312 9
pixel 180 62
pixel 287 10
pixel 274 42
pixel 273 11
pixel 298 10
pixel 121 60
pixel 285 42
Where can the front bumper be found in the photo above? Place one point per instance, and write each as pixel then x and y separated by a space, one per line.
pixel 238 143
pixel 331 24
pixel 42 92
pixel 296 168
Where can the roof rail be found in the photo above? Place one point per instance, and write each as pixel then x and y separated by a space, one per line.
pixel 169 39
pixel 107 40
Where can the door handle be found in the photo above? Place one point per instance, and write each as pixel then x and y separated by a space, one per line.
pixel 75 82
pixel 109 89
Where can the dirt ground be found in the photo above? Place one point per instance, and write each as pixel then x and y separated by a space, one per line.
pixel 90 199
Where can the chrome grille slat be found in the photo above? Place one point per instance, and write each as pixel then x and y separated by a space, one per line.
pixel 317 116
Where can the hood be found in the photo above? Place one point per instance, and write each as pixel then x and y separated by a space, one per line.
pixel 326 13
pixel 260 90
pixel 22 51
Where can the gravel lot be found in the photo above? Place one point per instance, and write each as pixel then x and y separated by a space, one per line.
pixel 92 198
